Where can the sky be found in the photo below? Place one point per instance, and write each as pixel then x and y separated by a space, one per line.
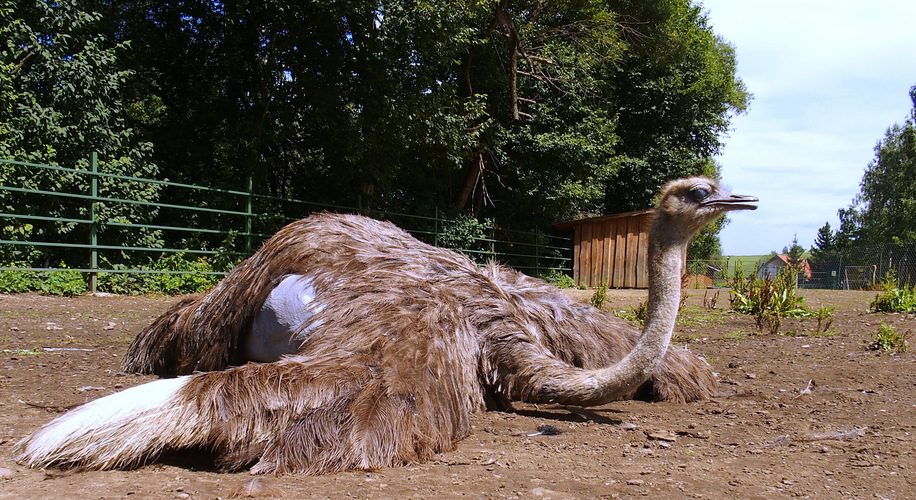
pixel 828 79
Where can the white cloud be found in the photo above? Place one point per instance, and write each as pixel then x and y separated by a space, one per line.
pixel 828 78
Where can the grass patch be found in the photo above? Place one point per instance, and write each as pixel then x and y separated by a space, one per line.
pixel 20 352
pixel 701 317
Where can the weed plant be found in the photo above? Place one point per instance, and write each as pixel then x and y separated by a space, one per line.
pixel 599 296
pixel 895 298
pixel 172 274
pixel 770 300
pixel 558 279
pixel 887 339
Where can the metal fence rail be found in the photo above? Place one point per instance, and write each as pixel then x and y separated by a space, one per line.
pixel 56 218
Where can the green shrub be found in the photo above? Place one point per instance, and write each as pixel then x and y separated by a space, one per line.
pixel 172 274
pixel 18 281
pixel 636 314
pixel 558 279
pixel 67 283
pixel 468 235
pixel 895 298
pixel 769 300
pixel 887 339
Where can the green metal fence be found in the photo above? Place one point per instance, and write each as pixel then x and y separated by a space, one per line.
pixel 87 220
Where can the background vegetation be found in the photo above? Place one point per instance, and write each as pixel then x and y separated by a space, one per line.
pixel 524 112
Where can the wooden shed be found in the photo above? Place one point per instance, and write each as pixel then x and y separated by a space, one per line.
pixel 611 249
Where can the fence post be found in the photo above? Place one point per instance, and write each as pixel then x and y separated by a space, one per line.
pixel 248 212
pixel 93 226
pixel 537 253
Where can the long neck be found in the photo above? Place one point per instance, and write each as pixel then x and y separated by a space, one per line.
pixel 554 381
pixel 665 266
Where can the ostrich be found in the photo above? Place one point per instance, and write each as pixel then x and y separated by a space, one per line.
pixel 344 343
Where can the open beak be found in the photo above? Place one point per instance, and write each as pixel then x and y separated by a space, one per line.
pixel 729 202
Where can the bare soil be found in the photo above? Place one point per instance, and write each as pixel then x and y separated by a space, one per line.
pixel 801 413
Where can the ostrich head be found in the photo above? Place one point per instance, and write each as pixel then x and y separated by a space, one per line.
pixel 686 205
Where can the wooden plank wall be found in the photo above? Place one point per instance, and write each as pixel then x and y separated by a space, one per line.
pixel 613 251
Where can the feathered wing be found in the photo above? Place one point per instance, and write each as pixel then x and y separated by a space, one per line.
pixel 204 333
pixel 366 391
pixel 297 415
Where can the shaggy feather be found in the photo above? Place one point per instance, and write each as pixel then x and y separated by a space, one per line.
pixel 404 341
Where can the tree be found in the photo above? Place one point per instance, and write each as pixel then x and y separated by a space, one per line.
pixel 676 91
pixel 825 244
pixel 885 208
pixel 60 101
pixel 794 253
pixel 524 112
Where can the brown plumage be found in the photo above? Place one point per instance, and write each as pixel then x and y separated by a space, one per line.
pixel 403 342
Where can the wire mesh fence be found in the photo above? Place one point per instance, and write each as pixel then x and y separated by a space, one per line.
pixel 858 267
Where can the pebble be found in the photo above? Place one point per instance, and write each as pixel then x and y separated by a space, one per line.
pixel 5 473
pixel 635 482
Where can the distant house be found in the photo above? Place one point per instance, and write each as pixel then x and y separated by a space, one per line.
pixel 771 267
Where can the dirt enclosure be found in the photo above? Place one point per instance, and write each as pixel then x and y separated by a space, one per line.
pixel 800 414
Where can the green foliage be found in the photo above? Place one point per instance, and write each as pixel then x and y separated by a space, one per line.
pixel 558 279
pixel 17 281
pixel 523 113
pixel 895 297
pixel 768 299
pixel 191 278
pixel 599 296
pixel 677 91
pixel 887 339
pixel 61 98
pixel 885 208
pixel 795 254
pixel 824 318
pixel 67 283
pixel 824 253
pixel 171 274
pixel 706 245
pixel 636 314
pixel 468 234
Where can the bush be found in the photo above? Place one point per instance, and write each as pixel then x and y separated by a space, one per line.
pixel 888 340
pixel 67 283
pixel 558 279
pixel 468 235
pixel 172 274
pixel 769 300
pixel 895 298
pixel 18 281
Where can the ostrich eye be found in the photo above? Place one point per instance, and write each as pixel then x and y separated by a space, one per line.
pixel 699 193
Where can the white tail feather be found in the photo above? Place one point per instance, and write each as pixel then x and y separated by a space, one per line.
pixel 119 430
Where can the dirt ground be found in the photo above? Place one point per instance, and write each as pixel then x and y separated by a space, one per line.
pixel 800 414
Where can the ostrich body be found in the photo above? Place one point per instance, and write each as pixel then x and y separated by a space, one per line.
pixel 344 343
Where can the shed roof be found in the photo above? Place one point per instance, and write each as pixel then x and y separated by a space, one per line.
pixel 589 220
